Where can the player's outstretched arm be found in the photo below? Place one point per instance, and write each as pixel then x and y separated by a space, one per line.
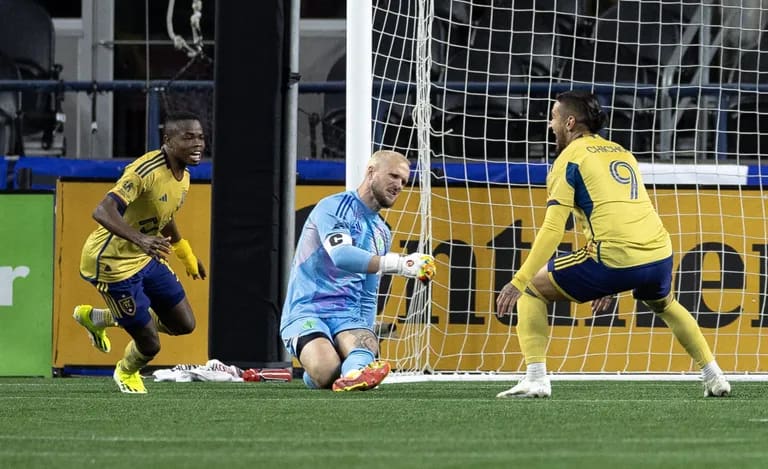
pixel 416 265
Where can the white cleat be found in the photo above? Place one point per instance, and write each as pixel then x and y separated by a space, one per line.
pixel 717 387
pixel 528 388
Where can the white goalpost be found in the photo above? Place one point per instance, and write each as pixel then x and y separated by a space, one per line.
pixel 463 88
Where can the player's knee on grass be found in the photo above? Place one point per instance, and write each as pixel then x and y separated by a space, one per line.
pixel 324 378
pixel 319 358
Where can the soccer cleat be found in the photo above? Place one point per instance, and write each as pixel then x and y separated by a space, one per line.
pixel 98 335
pixel 717 387
pixel 527 388
pixel 129 383
pixel 363 380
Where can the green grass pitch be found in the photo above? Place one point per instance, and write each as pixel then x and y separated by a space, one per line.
pixel 86 422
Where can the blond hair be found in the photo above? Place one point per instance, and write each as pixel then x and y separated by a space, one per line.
pixel 385 155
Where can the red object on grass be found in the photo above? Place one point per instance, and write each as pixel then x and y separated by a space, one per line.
pixel 268 374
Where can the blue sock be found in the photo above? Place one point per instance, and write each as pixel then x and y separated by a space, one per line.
pixel 357 359
pixel 308 381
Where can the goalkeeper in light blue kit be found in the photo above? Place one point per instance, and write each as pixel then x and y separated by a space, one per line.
pixel 330 305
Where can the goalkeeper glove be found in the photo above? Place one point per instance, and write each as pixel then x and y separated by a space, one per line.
pixel 416 265
pixel 183 251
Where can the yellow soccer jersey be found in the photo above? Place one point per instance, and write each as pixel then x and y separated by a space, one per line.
pixel 148 196
pixel 601 182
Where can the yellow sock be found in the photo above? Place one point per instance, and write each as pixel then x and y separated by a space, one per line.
pixel 133 360
pixel 687 332
pixel 159 324
pixel 532 328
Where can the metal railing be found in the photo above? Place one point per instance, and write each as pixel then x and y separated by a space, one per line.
pixel 724 93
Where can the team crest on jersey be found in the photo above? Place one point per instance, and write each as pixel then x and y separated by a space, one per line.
pixel 379 241
pixel 127 306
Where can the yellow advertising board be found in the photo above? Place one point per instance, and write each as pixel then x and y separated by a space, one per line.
pixel 75 202
pixel 479 239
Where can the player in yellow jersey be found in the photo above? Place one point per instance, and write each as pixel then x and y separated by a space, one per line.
pixel 627 247
pixel 125 257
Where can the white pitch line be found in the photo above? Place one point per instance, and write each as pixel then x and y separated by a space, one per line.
pixel 393 440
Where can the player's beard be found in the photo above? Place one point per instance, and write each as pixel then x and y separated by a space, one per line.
pixel 559 143
pixel 380 195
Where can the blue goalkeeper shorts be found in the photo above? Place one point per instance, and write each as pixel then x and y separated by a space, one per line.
pixel 328 326
pixel 582 279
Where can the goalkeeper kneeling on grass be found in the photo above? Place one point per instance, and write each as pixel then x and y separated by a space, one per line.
pixel 330 306
pixel 627 247
pixel 125 257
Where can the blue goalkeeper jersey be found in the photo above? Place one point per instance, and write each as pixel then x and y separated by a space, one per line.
pixel 318 287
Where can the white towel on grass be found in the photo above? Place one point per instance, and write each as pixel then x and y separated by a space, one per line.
pixel 213 370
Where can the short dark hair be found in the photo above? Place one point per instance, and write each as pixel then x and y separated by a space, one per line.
pixel 178 116
pixel 181 116
pixel 585 107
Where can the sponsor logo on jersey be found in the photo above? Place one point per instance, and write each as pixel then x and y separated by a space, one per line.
pixel 308 324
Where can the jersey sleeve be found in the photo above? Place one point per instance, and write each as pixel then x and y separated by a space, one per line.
pixel 334 220
pixel 333 228
pixel 544 245
pixel 562 184
pixel 128 188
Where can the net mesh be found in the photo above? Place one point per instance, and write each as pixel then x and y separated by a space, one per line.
pixel 464 89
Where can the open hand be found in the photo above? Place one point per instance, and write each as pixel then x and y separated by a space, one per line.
pixel 506 300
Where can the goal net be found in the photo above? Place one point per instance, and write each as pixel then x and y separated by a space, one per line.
pixel 464 89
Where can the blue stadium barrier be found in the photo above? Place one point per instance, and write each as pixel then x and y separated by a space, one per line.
pixel 757 176
pixel 45 171
pixel 3 173
pixel 494 172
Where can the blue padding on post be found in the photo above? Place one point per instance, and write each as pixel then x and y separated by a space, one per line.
pixel 757 175
pixel 3 173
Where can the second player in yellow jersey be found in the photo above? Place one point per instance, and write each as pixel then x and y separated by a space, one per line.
pixel 125 257
pixel 601 183
pixel 151 195
pixel 627 247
